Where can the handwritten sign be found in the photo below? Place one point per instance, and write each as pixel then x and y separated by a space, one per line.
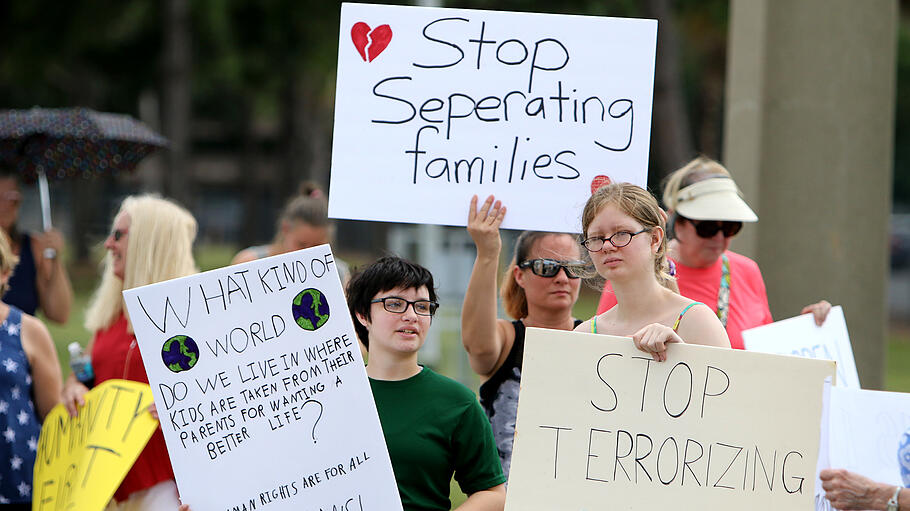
pixel 435 105
pixel 599 421
pixel 261 387
pixel 800 336
pixel 82 460
pixel 865 430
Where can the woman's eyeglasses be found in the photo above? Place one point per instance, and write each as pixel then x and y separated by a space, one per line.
pixel 398 305
pixel 710 228
pixel 550 267
pixel 618 240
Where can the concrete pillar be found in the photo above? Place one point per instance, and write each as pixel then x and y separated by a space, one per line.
pixel 809 134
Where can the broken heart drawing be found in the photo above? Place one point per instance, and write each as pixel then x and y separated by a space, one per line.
pixel 370 42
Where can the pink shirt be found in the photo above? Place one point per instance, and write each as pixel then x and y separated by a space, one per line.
pixel 748 299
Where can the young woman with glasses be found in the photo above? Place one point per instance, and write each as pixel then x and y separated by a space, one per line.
pixel 433 426
pixel 624 233
pixel 706 211
pixel 539 289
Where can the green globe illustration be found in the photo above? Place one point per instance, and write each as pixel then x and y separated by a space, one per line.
pixel 180 353
pixel 310 309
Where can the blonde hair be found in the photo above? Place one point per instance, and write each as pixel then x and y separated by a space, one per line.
pixel 699 169
pixel 8 261
pixel 639 204
pixel 159 247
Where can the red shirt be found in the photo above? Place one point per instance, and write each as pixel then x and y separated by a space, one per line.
pixel 748 300
pixel 115 354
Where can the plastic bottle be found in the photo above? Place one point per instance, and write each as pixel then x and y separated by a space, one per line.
pixel 81 364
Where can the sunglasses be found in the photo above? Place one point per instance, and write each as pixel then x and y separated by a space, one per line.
pixel 710 228
pixel 550 267
pixel 118 234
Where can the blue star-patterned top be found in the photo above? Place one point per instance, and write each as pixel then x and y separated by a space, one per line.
pixel 19 426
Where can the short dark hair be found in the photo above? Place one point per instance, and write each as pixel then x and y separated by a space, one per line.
pixel 386 273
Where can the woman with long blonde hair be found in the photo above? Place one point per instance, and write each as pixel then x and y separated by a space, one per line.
pixel 151 241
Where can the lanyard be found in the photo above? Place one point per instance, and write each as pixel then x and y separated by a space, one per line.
pixel 723 294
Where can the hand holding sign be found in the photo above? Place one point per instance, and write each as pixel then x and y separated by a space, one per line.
pixel 83 458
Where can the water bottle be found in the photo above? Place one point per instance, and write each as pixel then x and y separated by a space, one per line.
pixel 81 364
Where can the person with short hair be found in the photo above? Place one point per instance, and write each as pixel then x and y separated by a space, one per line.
pixel 434 427
pixel 624 234
pixel 539 289
pixel 151 241
pixel 30 383
pixel 706 211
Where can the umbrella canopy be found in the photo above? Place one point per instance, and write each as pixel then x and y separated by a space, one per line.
pixel 73 142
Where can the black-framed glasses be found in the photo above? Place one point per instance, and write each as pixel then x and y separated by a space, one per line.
pixel 118 234
pixel 618 240
pixel 550 267
pixel 710 228
pixel 397 305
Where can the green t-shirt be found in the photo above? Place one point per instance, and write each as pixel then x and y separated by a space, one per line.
pixel 434 427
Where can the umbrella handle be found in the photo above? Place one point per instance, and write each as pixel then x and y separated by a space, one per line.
pixel 45 196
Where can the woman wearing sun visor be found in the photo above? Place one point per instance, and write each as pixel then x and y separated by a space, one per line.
pixel 706 210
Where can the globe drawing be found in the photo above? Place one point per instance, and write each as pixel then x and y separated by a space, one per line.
pixel 180 353
pixel 310 309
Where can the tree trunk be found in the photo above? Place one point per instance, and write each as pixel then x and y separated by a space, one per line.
pixel 671 139
pixel 176 100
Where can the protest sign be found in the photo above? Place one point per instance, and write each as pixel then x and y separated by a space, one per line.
pixel 261 387
pixel 709 428
pixel 82 460
pixel 800 336
pixel 435 105
pixel 865 430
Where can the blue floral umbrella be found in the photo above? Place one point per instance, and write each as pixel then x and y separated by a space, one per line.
pixel 61 143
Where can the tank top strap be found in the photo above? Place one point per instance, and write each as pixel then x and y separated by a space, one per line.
pixel 683 313
pixel 594 324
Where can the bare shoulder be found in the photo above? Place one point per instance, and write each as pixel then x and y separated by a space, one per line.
pixel 701 326
pixel 35 335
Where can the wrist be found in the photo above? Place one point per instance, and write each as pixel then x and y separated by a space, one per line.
pixel 891 495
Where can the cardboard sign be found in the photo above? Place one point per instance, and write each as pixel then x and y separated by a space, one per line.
pixel 600 421
pixel 434 105
pixel 800 336
pixel 261 387
pixel 82 460
pixel 865 432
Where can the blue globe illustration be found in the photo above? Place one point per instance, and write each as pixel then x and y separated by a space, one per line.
pixel 310 309
pixel 180 353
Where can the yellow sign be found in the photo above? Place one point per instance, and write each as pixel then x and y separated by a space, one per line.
pixel 82 460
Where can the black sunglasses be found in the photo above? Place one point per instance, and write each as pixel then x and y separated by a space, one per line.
pixel 709 228
pixel 550 267
pixel 118 234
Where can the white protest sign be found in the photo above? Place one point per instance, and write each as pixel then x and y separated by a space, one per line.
pixel 865 431
pixel 261 388
pixel 800 336
pixel 599 421
pixel 434 105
